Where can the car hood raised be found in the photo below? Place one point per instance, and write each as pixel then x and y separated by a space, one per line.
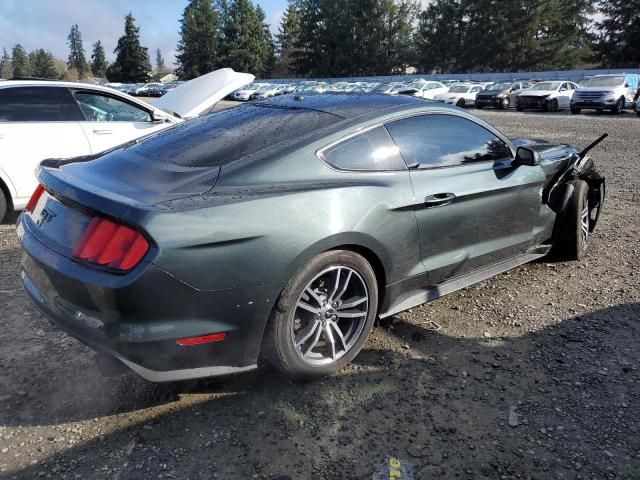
pixel 196 96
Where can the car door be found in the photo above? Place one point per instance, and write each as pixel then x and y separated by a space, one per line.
pixel 110 120
pixel 473 208
pixel 36 123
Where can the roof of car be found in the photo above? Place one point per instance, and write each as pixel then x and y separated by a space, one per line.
pixel 52 83
pixel 346 105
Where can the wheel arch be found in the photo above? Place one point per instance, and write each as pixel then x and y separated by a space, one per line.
pixel 4 188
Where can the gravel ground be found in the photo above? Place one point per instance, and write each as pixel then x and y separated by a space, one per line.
pixel 533 374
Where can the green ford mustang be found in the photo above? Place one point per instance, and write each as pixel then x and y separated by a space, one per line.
pixel 284 228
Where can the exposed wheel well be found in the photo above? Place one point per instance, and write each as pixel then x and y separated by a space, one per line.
pixel 375 263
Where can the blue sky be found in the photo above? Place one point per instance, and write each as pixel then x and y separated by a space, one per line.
pixel 46 23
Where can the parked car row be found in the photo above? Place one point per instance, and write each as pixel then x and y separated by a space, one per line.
pixel 153 89
pixel 614 92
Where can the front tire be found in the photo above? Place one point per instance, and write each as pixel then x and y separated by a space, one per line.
pixel 553 105
pixel 4 206
pixel 575 110
pixel 461 103
pixel 323 316
pixel 619 106
pixel 573 232
pixel 504 104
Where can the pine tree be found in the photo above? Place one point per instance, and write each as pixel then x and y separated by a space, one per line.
pixel 77 57
pixel 287 38
pixel 619 33
pixel 247 41
pixel 132 59
pixel 20 62
pixel 98 61
pixel 159 61
pixel 308 50
pixel 197 47
pixel 43 65
pixel 6 70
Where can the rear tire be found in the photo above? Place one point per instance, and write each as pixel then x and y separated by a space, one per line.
pixel 4 206
pixel 312 332
pixel 573 232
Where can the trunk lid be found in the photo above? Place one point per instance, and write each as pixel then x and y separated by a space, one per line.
pixel 196 96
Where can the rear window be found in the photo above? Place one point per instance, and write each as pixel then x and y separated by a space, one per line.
pixel 30 104
pixel 223 137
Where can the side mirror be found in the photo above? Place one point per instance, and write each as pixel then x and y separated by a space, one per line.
pixel 626 85
pixel 159 117
pixel 526 156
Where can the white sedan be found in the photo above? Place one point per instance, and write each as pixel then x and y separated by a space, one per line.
pixel 425 89
pixel 50 119
pixel 547 96
pixel 460 95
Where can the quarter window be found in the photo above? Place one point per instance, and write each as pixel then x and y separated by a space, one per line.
pixel 434 141
pixel 370 150
pixel 30 104
pixel 103 108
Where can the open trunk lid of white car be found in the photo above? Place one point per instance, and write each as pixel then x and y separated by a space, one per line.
pixel 196 96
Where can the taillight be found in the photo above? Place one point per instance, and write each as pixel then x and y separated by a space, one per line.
pixel 110 244
pixel 33 201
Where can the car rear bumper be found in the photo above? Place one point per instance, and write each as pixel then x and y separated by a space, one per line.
pixel 139 323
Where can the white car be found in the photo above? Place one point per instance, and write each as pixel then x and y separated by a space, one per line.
pixel 461 95
pixel 548 96
pixel 51 119
pixel 245 94
pixel 269 91
pixel 426 89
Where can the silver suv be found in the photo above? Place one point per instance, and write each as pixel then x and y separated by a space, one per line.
pixel 606 92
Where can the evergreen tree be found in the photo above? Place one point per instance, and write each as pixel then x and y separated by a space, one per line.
pixel 619 33
pixel 43 65
pixel 308 51
pixel 20 62
pixel 132 59
pixel 247 41
pixel 98 61
pixel 6 70
pixel 287 38
pixel 77 57
pixel 197 47
pixel 159 61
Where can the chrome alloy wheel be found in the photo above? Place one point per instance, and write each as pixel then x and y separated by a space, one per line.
pixel 329 316
pixel 584 226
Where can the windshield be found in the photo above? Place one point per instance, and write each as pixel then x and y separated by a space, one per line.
pixel 605 82
pixel 546 86
pixel 417 85
pixel 398 88
pixel 459 89
pixel 500 86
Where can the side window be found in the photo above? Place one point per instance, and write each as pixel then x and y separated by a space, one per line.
pixel 434 141
pixel 30 104
pixel 97 107
pixel 372 150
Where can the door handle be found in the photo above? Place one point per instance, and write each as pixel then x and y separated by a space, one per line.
pixel 439 199
pixel 103 132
